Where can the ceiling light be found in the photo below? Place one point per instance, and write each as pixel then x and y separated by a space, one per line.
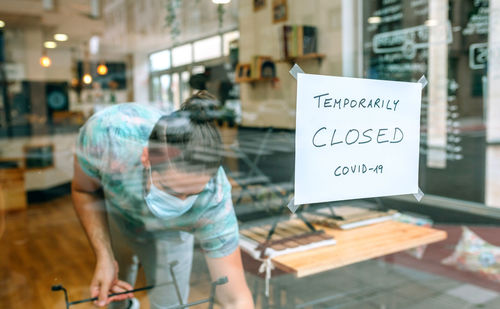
pixel 374 20
pixel 61 37
pixel 50 44
pixel 87 79
pixel 102 69
pixel 94 44
pixel 45 61
pixel 221 1
pixel 2 24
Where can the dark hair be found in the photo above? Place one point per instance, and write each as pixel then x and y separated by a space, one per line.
pixel 187 139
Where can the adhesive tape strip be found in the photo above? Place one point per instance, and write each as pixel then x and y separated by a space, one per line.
pixel 423 81
pixel 291 205
pixel 419 195
pixel 295 70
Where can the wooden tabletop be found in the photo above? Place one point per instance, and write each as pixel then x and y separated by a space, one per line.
pixel 357 245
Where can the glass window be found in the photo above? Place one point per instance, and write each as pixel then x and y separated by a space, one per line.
pixel 160 61
pixel 227 38
pixel 208 192
pixel 182 55
pixel 166 92
pixel 207 48
pixel 405 41
pixel 186 91
pixel 155 89
pixel 198 69
pixel 176 91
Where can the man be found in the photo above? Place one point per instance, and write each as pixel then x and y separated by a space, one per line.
pixel 143 185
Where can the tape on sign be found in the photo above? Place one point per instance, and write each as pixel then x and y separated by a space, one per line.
pixel 423 81
pixel 291 205
pixel 295 70
pixel 420 194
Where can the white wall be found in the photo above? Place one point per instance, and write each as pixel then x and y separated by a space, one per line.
pixel 262 104
pixel 39 179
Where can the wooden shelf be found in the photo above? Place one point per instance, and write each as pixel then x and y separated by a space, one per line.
pixel 313 56
pixel 255 80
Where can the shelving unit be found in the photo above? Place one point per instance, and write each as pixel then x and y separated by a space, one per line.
pixel 312 56
pixel 256 80
pixel 291 60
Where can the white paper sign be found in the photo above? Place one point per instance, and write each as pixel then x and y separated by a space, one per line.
pixel 355 138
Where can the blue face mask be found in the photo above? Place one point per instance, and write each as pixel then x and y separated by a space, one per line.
pixel 164 205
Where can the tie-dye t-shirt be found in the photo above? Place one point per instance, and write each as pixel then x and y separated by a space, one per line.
pixel 109 148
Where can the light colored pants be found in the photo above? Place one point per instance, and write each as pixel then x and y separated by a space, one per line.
pixel 155 255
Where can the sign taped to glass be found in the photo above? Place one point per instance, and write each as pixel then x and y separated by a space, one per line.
pixel 355 138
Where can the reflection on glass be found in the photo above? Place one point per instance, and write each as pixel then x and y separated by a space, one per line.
pixel 227 38
pixel 176 91
pixel 182 55
pixel 207 48
pixel 186 90
pixel 166 92
pixel 160 60
pixel 155 52
pixel 155 89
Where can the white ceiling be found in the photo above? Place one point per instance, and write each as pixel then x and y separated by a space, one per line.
pixel 125 26
pixel 69 16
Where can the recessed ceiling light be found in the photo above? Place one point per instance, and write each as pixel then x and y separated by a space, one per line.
pixel 50 44
pixel 102 69
pixel 374 20
pixel 94 44
pixel 221 1
pixel 61 37
pixel 2 24
pixel 45 61
pixel 87 79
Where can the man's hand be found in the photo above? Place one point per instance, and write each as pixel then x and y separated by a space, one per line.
pixel 106 282
pixel 89 206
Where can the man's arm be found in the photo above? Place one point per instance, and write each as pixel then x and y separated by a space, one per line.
pixel 88 202
pixel 235 293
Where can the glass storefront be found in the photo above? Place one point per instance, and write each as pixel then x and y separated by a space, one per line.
pixel 413 39
pixel 164 154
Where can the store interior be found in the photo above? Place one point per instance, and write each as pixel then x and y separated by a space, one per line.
pixel 63 61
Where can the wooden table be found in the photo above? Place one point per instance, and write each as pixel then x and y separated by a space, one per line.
pixel 358 245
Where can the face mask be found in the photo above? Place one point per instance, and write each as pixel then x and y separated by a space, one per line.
pixel 164 205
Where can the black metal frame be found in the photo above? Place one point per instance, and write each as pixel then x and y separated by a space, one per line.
pixel 210 300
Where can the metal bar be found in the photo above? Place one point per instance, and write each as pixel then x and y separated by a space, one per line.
pixel 174 280
pixel 306 222
pixel 111 295
pixel 271 231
